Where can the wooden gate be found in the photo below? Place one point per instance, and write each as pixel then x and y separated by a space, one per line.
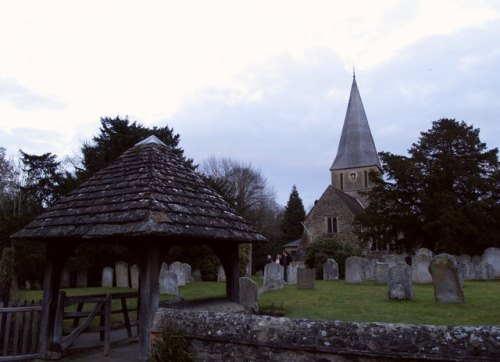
pixel 79 312
pixel 19 331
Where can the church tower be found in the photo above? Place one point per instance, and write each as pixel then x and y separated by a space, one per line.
pixel 356 154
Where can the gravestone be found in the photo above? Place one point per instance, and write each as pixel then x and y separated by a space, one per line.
pixel 168 281
pixel 355 269
pixel 477 259
pixel 107 277
pixel 420 268
pixel 466 260
pixel 424 251
pixel 399 282
pixel 273 276
pixel 81 279
pixel 462 271
pixel 330 270
pixel 445 279
pixel 391 260
pixel 249 294
pixel 292 271
pixel 27 285
pixel 134 276
pixel 492 257
pixel 221 274
pixel 121 271
pixel 65 278
pixel 381 272
pixel 197 275
pixel 186 273
pixel 176 267
pixel 484 271
pixel 370 269
pixel 305 278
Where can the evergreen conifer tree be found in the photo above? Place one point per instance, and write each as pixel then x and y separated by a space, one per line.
pixel 293 216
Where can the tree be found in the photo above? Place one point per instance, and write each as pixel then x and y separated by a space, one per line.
pixel 293 216
pixel 444 196
pixel 117 135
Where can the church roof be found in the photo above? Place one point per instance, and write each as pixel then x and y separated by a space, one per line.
pixel 356 146
pixel 148 191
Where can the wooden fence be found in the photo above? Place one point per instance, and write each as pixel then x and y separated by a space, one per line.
pixel 19 327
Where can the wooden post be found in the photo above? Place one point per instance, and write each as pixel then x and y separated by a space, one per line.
pixel 230 260
pixel 149 297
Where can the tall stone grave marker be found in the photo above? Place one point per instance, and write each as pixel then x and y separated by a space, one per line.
pixel 391 260
pixel 176 267
pixel 420 268
pixel 249 298
pixel 399 282
pixel 355 269
pixel 197 275
pixel 134 276
pixel 221 274
pixel 424 251
pixel 186 273
pixel 466 260
pixel 305 278
pixel 445 279
pixel 330 270
pixel 292 271
pixel 274 276
pixel 492 257
pixel 107 277
pixel 370 269
pixel 484 271
pixel 381 272
pixel 121 271
pixel 168 281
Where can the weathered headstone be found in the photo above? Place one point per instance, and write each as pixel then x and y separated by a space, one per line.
pixel 355 269
pixel 484 271
pixel 65 278
pixel 399 282
pixel 176 267
pixel 27 285
pixel 107 277
pixel 273 276
pixel 424 251
pixel 381 272
pixel 197 275
pixel 221 274
pixel 186 273
pixel 370 269
pixel 492 257
pixel 420 268
pixel 249 294
pixel 121 271
pixel 81 279
pixel 330 270
pixel 292 272
pixel 305 278
pixel 477 259
pixel 134 276
pixel 168 282
pixel 391 260
pixel 445 279
pixel 466 260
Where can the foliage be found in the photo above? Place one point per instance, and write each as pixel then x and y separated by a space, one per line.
pixel 6 271
pixel 246 190
pixel 117 135
pixel 443 196
pixel 293 216
pixel 325 248
pixel 173 345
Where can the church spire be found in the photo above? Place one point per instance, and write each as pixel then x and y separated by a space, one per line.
pixel 356 147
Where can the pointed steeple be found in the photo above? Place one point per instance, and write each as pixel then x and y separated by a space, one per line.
pixel 356 146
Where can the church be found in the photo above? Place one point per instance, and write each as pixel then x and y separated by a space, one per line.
pixel 333 213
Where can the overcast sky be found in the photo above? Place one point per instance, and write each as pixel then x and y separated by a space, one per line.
pixel 262 82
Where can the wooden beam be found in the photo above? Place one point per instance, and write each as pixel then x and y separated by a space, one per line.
pixel 230 260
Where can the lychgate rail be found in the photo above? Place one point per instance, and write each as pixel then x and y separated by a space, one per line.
pixel 19 331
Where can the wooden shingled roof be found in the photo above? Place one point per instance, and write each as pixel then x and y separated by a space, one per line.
pixel 147 191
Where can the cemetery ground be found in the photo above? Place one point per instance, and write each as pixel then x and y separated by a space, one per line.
pixel 337 300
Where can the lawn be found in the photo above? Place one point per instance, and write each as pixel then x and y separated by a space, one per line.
pixel 367 302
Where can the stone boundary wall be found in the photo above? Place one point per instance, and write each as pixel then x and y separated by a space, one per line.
pixel 218 336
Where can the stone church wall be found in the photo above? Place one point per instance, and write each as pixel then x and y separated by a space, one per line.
pixel 243 337
pixel 353 180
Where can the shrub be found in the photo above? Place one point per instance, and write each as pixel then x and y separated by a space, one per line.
pixel 173 345
pixel 6 271
pixel 330 248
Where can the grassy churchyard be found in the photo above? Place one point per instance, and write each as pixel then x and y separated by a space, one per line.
pixel 336 300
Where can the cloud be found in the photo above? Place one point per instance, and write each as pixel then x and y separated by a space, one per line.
pixel 25 99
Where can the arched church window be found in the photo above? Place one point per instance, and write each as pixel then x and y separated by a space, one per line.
pixel 332 226
pixel 341 181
